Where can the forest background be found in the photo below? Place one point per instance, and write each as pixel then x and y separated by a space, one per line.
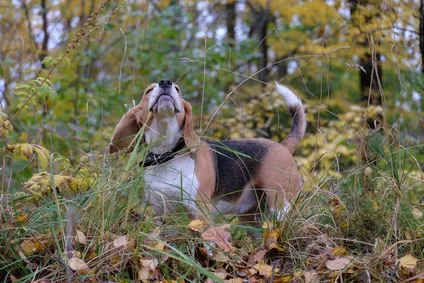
pixel 70 69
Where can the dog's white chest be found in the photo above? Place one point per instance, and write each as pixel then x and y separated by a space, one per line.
pixel 171 183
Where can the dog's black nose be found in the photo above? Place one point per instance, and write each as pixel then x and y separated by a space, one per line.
pixel 165 83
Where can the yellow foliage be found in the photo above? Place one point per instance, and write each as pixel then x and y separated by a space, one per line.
pixel 5 125
pixel 31 151
pixel 40 184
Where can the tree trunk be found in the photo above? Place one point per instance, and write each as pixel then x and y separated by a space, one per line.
pixel 370 78
pixel 421 33
pixel 45 43
pixel 230 9
pixel 371 73
pixel 259 29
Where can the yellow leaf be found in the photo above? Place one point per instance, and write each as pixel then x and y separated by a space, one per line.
pixel 160 246
pixel 42 156
pixel 39 246
pixel 28 247
pixel 196 225
pixel 275 246
pixel 408 261
pixel 77 264
pixel 339 251
pixel 22 218
pixel 375 205
pixel 337 211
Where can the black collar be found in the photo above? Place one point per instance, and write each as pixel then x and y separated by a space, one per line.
pixel 156 159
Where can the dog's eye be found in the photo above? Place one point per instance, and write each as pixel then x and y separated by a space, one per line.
pixel 177 88
pixel 149 90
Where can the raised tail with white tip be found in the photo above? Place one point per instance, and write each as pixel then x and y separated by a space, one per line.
pixel 297 113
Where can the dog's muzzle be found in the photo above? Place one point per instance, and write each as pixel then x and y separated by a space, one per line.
pixel 165 98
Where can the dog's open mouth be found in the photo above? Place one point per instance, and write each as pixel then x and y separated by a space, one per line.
pixel 164 103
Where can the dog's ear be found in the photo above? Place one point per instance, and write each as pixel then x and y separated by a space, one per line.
pixel 190 137
pixel 127 130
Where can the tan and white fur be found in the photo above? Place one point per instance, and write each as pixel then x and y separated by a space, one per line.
pixel 211 177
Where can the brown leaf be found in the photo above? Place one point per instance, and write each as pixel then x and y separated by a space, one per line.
pixel 144 274
pixel 80 238
pixel 265 269
pixel 196 225
pixel 310 277
pixel 234 280
pixel 77 264
pixel 221 257
pixel 257 257
pixel 220 237
pixel 120 241
pixel 149 263
pixel 338 263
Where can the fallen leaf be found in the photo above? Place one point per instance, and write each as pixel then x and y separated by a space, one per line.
pixel 39 246
pixel 196 225
pixel 337 210
pixel 80 238
pixel 219 236
pixel 375 205
pixel 270 237
pixel 22 218
pixel 120 242
pixel 275 246
pixel 337 264
pixel 267 225
pixel 408 261
pixel 310 277
pixel 77 264
pixel 338 251
pixel 28 247
pixel 283 279
pixel 221 274
pixel 417 213
pixel 265 269
pixel 257 257
pixel 149 263
pixel 160 246
pixel 234 280
pixel 221 257
pixel 144 274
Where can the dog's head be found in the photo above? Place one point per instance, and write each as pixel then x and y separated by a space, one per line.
pixel 160 100
pixel 163 98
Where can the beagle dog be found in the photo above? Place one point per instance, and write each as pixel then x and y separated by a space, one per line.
pixel 210 177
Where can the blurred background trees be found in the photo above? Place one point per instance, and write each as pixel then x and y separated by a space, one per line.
pixel 351 61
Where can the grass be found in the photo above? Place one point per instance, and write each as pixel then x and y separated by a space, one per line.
pixel 365 216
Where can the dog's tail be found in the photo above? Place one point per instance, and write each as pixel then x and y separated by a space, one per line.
pixel 297 113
